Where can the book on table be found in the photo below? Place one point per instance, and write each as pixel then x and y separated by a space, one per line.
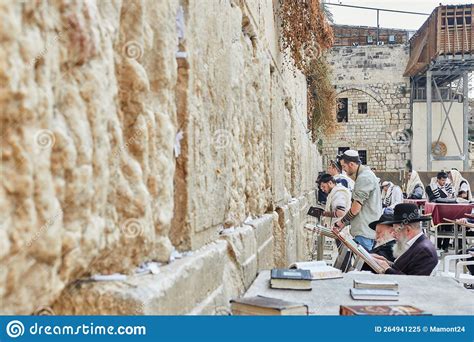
pixel 290 279
pixel 266 306
pixel 381 310
pixel 318 269
pixel 373 294
pixel 375 284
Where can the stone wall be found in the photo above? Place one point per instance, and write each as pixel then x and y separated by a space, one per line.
pixel 372 74
pixel 348 35
pixel 145 130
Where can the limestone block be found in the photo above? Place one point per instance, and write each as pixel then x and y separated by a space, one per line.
pixel 170 292
pixel 306 201
pixel 292 222
pixel 243 247
pixel 263 228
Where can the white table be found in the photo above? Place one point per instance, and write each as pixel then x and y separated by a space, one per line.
pixel 435 295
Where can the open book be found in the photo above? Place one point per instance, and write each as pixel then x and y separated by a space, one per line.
pixel 354 247
pixel 318 269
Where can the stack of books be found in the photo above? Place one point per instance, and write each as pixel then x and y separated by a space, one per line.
pixel 374 290
pixel 266 306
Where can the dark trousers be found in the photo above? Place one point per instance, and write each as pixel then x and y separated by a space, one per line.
pixel 444 243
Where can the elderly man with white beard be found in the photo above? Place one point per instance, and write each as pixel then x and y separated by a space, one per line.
pixel 414 252
pixel 384 239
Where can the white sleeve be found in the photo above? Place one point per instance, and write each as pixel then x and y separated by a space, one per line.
pixel 464 187
pixel 339 201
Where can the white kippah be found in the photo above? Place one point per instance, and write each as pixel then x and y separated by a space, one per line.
pixel 352 153
pixel 385 183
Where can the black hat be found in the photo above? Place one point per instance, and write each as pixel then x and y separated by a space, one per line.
pixel 382 220
pixel 407 213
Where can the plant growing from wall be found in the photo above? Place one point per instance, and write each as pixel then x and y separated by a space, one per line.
pixel 321 98
pixel 306 33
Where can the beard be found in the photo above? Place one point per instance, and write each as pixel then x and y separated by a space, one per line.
pixel 400 247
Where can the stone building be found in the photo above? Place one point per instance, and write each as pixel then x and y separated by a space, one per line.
pixel 348 35
pixel 373 111
pixel 145 131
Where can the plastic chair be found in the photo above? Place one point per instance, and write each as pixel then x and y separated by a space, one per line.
pixel 445 272
pixel 462 277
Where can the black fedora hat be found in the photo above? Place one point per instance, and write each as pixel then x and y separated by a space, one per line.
pixel 382 220
pixel 407 213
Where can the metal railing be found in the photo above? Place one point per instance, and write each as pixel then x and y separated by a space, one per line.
pixel 447 94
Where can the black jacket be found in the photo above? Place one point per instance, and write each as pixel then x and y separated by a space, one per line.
pixel 419 259
pixel 385 250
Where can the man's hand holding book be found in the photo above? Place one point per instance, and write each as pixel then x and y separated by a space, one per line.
pixel 382 261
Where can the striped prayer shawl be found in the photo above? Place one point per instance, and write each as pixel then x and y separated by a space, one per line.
pixel 447 189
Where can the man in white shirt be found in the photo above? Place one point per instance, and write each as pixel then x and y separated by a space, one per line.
pixel 338 201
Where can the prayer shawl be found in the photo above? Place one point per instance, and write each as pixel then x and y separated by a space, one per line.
pixel 350 182
pixel 436 189
pixel 413 182
pixel 392 196
pixel 337 192
pixel 458 180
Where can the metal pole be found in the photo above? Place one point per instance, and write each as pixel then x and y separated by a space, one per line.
pixel 376 8
pixel 429 118
pixel 320 251
pixel 465 114
pixel 378 26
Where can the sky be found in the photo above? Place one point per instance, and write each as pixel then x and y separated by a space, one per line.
pixel 353 16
